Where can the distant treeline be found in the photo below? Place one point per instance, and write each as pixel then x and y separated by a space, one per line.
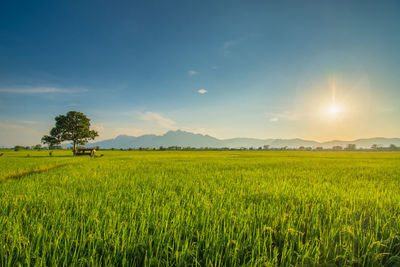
pixel 349 147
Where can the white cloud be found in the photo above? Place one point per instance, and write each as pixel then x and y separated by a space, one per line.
pixel 98 127
pixel 130 131
pixel 203 131
pixel 214 67
pixel 202 91
pixel 158 119
pixel 39 90
pixel 274 119
pixel 192 72
pixel 110 131
pixel 287 115
pixel 150 123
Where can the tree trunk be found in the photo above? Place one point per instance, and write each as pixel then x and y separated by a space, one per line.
pixel 74 148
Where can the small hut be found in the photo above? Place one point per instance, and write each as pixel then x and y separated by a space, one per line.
pixel 85 152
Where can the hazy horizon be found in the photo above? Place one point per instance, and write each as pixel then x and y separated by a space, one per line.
pixel 347 141
pixel 320 141
pixel 312 70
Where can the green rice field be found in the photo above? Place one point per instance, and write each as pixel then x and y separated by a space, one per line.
pixel 200 208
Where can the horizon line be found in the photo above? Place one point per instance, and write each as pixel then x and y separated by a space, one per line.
pixel 268 138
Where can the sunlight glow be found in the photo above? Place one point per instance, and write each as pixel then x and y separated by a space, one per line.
pixel 334 109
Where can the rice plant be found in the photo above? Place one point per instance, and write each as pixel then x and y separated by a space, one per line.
pixel 202 209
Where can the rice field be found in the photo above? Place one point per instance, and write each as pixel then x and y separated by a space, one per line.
pixel 200 208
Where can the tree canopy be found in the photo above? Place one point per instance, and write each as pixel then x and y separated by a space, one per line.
pixel 74 126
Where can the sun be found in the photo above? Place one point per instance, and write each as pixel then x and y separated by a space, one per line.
pixel 334 109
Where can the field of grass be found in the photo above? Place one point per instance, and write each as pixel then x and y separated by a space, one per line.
pixel 200 208
pixel 17 164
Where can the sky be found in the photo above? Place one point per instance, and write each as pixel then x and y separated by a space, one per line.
pixel 317 70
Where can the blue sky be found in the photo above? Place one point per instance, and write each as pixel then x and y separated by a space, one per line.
pixel 226 68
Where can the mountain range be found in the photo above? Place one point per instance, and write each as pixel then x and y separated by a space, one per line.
pixel 187 139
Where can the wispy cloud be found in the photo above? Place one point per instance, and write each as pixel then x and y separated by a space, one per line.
pixel 286 115
pixel 108 131
pixel 202 91
pixel 274 119
pixel 214 67
pixel 192 72
pixel 12 126
pixel 228 45
pixel 158 119
pixel 30 122
pixel 39 90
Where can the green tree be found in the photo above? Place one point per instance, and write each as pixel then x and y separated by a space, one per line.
pixel 18 148
pixel 38 147
pixel 392 147
pixel 350 147
pixel 74 127
pixel 50 141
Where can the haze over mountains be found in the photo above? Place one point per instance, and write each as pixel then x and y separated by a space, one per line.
pixel 187 139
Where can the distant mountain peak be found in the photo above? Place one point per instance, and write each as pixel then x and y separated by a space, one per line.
pixel 175 132
pixel 185 139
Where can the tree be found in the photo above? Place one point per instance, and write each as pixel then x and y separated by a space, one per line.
pixel 38 147
pixel 18 148
pixel 392 147
pixel 350 147
pixel 50 140
pixel 74 127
